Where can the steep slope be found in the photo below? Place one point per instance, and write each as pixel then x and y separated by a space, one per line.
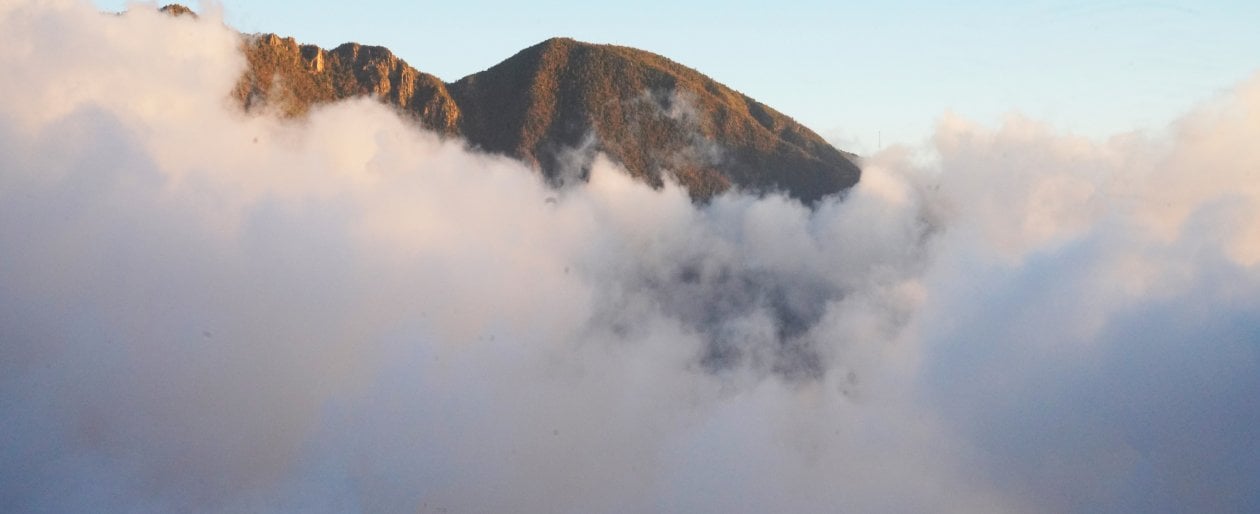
pixel 650 114
pixel 289 78
pixel 647 112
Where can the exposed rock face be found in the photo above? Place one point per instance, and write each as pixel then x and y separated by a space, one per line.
pixel 652 115
pixel 290 78
pixel 177 10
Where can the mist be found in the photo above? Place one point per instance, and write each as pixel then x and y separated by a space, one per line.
pixel 207 310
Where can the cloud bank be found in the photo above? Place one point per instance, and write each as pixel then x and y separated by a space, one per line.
pixel 203 310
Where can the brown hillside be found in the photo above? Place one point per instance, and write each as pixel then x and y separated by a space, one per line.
pixel 647 112
pixel 289 77
pixel 650 114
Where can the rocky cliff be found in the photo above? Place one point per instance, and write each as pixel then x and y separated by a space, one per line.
pixel 650 114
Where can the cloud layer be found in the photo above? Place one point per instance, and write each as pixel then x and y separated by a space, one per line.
pixel 204 310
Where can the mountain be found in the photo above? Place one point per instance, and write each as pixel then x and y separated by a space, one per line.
pixel 648 113
pixel 291 78
pixel 554 104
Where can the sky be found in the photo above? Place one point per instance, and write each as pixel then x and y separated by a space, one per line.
pixel 204 309
pixel 862 74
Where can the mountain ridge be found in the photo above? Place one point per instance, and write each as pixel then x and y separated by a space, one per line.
pixel 554 104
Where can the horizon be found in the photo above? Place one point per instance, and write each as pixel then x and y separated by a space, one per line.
pixel 863 77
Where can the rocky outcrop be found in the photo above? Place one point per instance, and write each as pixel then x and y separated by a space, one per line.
pixel 654 116
pixel 289 78
pixel 177 10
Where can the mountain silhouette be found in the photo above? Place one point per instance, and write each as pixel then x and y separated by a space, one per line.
pixel 555 104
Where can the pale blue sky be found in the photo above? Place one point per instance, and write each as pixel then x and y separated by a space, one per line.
pixel 851 71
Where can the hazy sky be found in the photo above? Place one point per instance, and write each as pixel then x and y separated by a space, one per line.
pixel 856 72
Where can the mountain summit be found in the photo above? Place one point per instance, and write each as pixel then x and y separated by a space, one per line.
pixel 554 104
pixel 650 114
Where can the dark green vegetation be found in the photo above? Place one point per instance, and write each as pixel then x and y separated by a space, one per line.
pixel 646 112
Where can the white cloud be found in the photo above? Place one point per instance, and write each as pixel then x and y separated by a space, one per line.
pixel 203 310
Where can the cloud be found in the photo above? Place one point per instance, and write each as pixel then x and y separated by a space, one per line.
pixel 212 311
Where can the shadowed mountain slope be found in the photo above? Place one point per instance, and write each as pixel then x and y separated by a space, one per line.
pixel 556 103
pixel 650 114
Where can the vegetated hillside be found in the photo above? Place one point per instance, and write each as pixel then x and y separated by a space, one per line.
pixel 555 103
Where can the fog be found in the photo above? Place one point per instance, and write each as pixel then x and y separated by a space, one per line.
pixel 208 310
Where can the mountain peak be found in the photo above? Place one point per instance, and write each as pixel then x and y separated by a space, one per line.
pixel 559 41
pixel 177 10
pixel 651 114
pixel 554 104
